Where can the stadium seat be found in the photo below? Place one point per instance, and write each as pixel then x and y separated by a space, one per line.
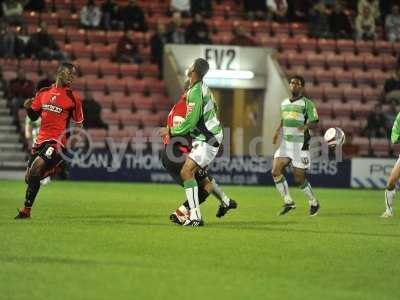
pixel 362 46
pixel 332 93
pixel 380 146
pixel 371 61
pixel 315 59
pixel 383 47
pixel 351 127
pixel 129 70
pixel 326 45
pixel 97 37
pixel 142 102
pixel 363 144
pixel 129 118
pixel 353 94
pixel 342 77
pixel 87 67
pixel 308 44
pixel 389 62
pixel 323 76
pixel 324 109
pixel 154 85
pixel 298 29
pixel 353 61
pixel 342 110
pixel 315 92
pixel 345 46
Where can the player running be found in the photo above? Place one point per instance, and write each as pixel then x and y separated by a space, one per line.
pixel 298 116
pixel 55 105
pixel 394 175
pixel 203 126
pixel 173 157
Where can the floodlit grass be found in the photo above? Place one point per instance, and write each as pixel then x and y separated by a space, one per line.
pixel 114 241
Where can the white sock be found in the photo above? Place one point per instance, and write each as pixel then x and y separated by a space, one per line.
pixel 192 194
pixel 306 188
pixel 183 209
pixel 389 197
pixel 283 188
pixel 219 194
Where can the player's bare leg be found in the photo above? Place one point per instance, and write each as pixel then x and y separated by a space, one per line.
pixel 278 166
pixel 32 177
pixel 391 190
pixel 302 182
pixel 192 192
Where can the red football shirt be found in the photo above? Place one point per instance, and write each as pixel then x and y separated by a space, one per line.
pixel 179 109
pixel 56 107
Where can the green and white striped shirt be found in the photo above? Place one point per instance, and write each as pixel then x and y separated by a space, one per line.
pixel 201 120
pixel 295 114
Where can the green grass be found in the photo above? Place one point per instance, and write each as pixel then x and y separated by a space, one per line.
pixel 114 241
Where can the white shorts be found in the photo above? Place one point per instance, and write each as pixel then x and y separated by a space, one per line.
pixel 202 153
pixel 299 158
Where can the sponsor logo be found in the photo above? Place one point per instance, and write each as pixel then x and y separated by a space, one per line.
pixel 189 107
pixel 52 108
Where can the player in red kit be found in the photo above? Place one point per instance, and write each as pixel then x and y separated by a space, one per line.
pixel 56 105
pixel 173 157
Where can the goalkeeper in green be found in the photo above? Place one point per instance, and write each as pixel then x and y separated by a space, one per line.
pixel 395 174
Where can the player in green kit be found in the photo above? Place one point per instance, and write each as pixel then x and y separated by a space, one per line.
pixel 205 130
pixel 298 115
pixel 394 175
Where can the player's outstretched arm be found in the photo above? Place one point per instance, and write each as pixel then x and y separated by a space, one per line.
pixel 33 115
pixel 277 133
pixel 395 136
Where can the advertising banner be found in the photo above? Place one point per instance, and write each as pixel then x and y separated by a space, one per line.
pixel 370 172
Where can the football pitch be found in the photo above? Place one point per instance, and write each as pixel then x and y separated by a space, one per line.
pixel 114 241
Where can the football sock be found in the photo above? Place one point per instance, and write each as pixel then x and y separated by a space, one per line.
pixel 219 193
pixel 31 191
pixel 389 196
pixel 306 188
pixel 192 195
pixel 283 188
pixel 203 195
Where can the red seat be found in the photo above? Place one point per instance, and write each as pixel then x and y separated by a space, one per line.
pixel 298 29
pixel 371 61
pixel 102 51
pixel 345 46
pixel 308 44
pixel 363 78
pixel 110 117
pixel 288 43
pixel 323 76
pixel 87 66
pixel 155 85
pixel 130 70
pixel 341 109
pixel 315 59
pixel 342 77
pixel 334 60
pixel 115 84
pixel 135 85
pixel 97 37
pixel 326 45
pixel 383 47
pixel 380 146
pixel 353 61
pixel 77 35
pixel 109 68
pixel 352 94
pixel 333 93
pixel 352 127
pixel 141 102
pixel 364 46
pixel 260 26
pixel 363 110
pixel 389 62
pixel 149 69
pixel 324 110
pixel 315 92
pixel 363 144
pixel 129 118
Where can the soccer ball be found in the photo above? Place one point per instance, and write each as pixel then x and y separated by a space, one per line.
pixel 334 137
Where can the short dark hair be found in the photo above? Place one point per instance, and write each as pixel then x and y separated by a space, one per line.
pixel 65 65
pixel 298 77
pixel 201 67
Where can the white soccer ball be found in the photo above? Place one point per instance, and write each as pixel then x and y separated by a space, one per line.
pixel 334 137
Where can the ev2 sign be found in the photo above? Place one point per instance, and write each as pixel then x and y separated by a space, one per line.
pixel 222 57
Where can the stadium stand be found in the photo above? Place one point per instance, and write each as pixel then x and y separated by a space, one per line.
pixel 345 77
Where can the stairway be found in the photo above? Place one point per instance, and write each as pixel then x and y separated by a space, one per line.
pixel 12 155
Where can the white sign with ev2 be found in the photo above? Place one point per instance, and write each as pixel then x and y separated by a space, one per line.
pixel 222 57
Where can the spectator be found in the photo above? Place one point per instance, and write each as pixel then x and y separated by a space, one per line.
pixel 13 12
pixel 298 10
pixel 90 15
pixel 203 7
pixel 176 30
pixel 7 41
pixel 21 41
pixel 92 113
pixel 277 9
pixel 241 39
pixel 127 50
pixel 373 6
pixel 319 20
pixel 255 9
pixel 36 5
pixel 3 83
pixel 376 124
pixel 182 6
pixel 392 88
pixel 19 89
pixel 43 46
pixel 132 17
pixel 392 25
pixel 46 81
pixel 197 32
pixel 339 23
pixel 157 43
pixel 365 25
pixel 109 11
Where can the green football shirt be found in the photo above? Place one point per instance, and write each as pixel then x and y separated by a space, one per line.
pixel 295 114
pixel 201 120
pixel 395 137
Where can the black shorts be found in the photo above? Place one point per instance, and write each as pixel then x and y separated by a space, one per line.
pixel 50 152
pixel 174 166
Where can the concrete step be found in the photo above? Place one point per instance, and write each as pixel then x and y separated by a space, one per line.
pixel 8 156
pixel 4 111
pixel 4 129
pixel 8 147
pixel 14 164
pixel 9 138
pixel 3 104
pixel 6 120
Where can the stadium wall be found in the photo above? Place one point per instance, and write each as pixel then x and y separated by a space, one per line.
pixel 245 170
